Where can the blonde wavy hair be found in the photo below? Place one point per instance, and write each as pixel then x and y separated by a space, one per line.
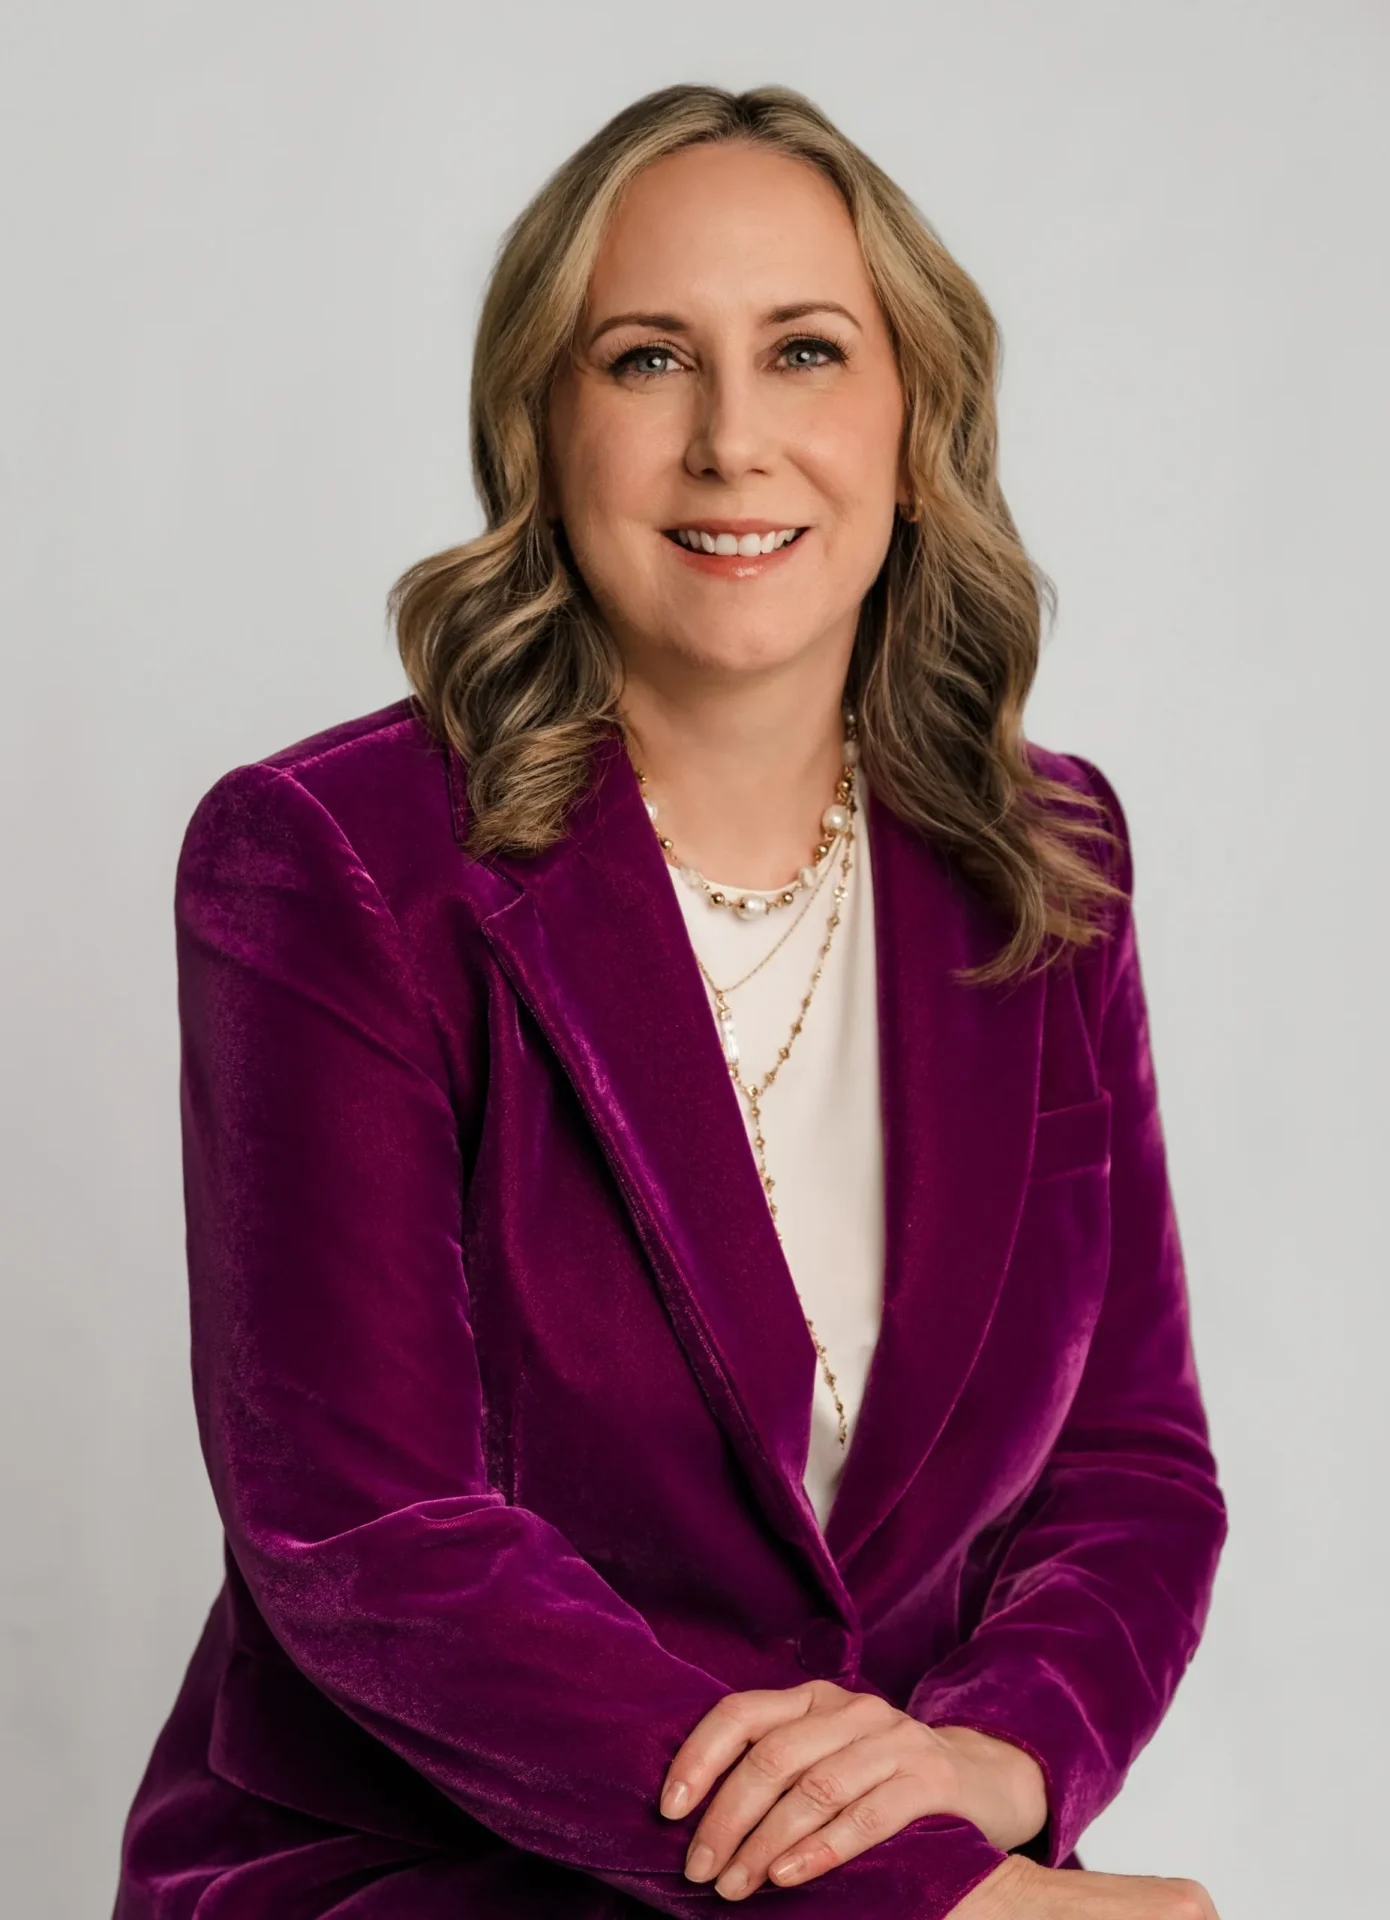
pixel 511 663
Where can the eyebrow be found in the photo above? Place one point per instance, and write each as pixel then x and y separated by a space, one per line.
pixel 672 323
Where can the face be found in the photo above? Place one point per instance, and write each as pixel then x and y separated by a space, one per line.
pixel 733 383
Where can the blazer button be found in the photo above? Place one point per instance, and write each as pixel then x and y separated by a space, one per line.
pixel 822 1647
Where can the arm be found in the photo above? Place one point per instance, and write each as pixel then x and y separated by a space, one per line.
pixel 339 1399
pixel 1100 1597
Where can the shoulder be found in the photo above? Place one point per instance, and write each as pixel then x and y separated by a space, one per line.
pixel 1097 967
pixel 1082 775
pixel 373 791
pixel 1074 770
pixel 343 755
pixel 350 761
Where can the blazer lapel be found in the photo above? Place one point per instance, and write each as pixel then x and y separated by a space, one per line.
pixel 959 1069
pixel 595 945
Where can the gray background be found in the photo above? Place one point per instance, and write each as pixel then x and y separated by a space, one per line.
pixel 244 249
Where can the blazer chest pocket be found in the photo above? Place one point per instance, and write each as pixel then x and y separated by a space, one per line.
pixel 1073 1139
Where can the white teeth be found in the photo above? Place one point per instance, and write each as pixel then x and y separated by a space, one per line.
pixel 745 545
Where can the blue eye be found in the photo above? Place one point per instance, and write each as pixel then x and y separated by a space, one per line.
pixel 807 353
pixel 631 361
pixel 830 353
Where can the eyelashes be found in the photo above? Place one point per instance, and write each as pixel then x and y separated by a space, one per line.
pixel 629 362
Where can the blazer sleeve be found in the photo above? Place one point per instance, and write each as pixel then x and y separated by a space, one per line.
pixel 1101 1593
pixel 338 1392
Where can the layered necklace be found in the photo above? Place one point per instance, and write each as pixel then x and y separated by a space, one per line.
pixel 837 825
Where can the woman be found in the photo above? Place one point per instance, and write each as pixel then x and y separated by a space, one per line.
pixel 695 991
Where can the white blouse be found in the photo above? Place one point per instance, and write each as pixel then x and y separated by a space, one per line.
pixel 821 1116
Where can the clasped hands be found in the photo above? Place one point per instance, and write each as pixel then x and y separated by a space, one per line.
pixel 825 1774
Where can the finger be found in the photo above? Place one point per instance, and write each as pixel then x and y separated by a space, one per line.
pixel 770 1766
pixel 883 1811
pixel 716 1742
pixel 823 1791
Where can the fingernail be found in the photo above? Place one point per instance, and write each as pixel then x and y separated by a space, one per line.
pixel 789 1869
pixel 734 1881
pixel 673 1802
pixel 700 1863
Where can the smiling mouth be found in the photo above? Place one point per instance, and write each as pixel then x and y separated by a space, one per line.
pixel 746 546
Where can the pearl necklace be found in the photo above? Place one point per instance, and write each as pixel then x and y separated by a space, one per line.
pixel 750 904
pixel 842 824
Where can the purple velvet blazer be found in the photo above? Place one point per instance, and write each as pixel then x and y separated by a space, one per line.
pixel 504 1388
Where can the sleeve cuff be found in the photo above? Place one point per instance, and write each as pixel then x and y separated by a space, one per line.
pixel 1045 1722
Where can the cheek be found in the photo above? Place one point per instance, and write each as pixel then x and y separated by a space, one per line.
pixel 608 454
pixel 605 487
pixel 853 453
pixel 591 481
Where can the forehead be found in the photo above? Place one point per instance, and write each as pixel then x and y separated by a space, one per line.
pixel 729 226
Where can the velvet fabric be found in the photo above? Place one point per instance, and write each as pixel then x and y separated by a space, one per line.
pixel 504 1388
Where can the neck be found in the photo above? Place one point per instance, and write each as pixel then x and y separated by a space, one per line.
pixel 741 775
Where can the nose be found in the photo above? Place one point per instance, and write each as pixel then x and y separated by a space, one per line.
pixel 732 432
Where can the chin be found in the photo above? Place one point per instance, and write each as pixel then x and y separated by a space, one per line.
pixel 740 647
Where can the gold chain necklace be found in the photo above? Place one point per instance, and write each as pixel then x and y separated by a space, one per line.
pixel 844 799
pixel 783 938
pixel 751 903
pixel 754 1094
